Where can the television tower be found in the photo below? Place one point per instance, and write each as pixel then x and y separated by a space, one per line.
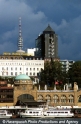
pixel 20 39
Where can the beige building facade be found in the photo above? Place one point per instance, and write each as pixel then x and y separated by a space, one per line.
pixel 24 90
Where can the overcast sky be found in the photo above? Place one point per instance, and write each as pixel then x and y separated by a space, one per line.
pixel 64 16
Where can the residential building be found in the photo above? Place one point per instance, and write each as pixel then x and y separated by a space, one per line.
pixel 66 64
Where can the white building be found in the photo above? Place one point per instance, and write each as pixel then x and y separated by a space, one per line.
pixel 31 51
pixel 13 67
pixel 66 64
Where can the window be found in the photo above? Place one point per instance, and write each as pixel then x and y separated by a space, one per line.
pixel 6 73
pixel 26 73
pixel 11 68
pixel 30 68
pixel 34 74
pixel 48 112
pixel 11 73
pixel 16 73
pixel 56 99
pixel 71 99
pixel 34 69
pixel 40 98
pixel 20 69
pixel 30 112
pixel 30 73
pixel 16 68
pixel 63 99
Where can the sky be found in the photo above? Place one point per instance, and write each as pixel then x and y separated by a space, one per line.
pixel 64 17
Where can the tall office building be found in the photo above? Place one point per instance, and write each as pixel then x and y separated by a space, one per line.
pixel 47 44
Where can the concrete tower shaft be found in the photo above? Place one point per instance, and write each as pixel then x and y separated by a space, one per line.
pixel 20 39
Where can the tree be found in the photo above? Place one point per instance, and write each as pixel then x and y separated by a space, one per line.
pixel 52 72
pixel 75 73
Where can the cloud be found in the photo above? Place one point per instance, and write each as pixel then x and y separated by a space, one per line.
pixel 8 45
pixel 9 21
pixel 69 38
pixel 63 16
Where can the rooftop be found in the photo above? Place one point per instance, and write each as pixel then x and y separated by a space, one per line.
pixel 22 77
pixel 49 29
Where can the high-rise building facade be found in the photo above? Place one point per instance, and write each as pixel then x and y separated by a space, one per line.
pixel 66 64
pixel 47 44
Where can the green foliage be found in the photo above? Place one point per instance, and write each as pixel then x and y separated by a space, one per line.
pixel 52 72
pixel 75 73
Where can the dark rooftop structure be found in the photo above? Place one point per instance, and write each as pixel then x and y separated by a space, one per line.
pixel 49 29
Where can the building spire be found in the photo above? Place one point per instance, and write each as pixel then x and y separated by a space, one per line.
pixel 20 39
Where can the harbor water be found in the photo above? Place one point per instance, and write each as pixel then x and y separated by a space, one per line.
pixel 41 121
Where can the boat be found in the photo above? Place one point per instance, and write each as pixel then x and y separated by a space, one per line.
pixel 58 113
pixel 5 114
pixel 46 112
pixel 31 113
pixel 15 110
pixel 11 111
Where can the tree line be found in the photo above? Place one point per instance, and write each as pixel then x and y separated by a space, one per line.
pixel 53 73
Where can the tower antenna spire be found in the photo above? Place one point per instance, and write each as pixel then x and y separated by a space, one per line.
pixel 20 39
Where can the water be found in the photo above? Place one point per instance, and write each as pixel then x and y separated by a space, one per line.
pixel 41 121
